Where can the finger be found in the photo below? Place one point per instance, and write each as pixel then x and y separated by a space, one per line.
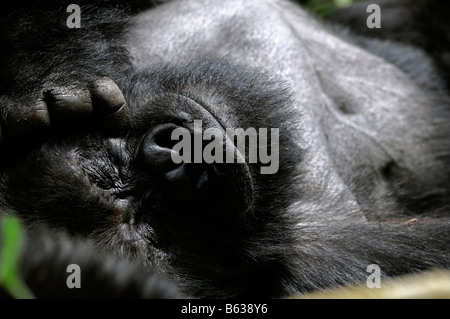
pixel 26 123
pixel 68 106
pixel 107 98
pixel 117 122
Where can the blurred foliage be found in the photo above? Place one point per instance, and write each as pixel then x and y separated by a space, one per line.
pixel 11 235
pixel 323 8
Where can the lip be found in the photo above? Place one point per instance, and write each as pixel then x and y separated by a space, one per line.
pixel 239 179
pixel 242 170
pixel 206 108
pixel 205 113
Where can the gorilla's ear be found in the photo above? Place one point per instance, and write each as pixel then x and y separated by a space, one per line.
pixel 53 265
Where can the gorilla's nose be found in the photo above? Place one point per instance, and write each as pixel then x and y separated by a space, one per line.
pixel 156 148
pixel 185 182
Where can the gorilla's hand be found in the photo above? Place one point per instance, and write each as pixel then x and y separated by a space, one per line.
pixel 54 76
pixel 31 116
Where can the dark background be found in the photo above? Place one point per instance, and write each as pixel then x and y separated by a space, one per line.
pixel 324 7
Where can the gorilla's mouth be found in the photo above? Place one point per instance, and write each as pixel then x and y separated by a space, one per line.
pixel 138 176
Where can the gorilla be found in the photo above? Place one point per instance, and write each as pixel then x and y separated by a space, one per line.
pixel 87 122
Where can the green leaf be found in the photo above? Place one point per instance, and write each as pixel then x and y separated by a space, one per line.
pixel 11 241
pixel 342 3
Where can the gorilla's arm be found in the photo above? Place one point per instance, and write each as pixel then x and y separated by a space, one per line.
pixel 47 254
pixel 55 76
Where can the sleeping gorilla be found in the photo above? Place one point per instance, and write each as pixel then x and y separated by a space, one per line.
pixel 88 113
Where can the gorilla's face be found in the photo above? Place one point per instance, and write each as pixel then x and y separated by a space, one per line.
pixel 126 192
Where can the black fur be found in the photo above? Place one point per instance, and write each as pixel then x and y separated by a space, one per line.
pixel 309 226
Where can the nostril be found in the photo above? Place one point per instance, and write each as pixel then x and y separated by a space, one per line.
pixel 163 135
pixel 182 182
pixel 156 148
